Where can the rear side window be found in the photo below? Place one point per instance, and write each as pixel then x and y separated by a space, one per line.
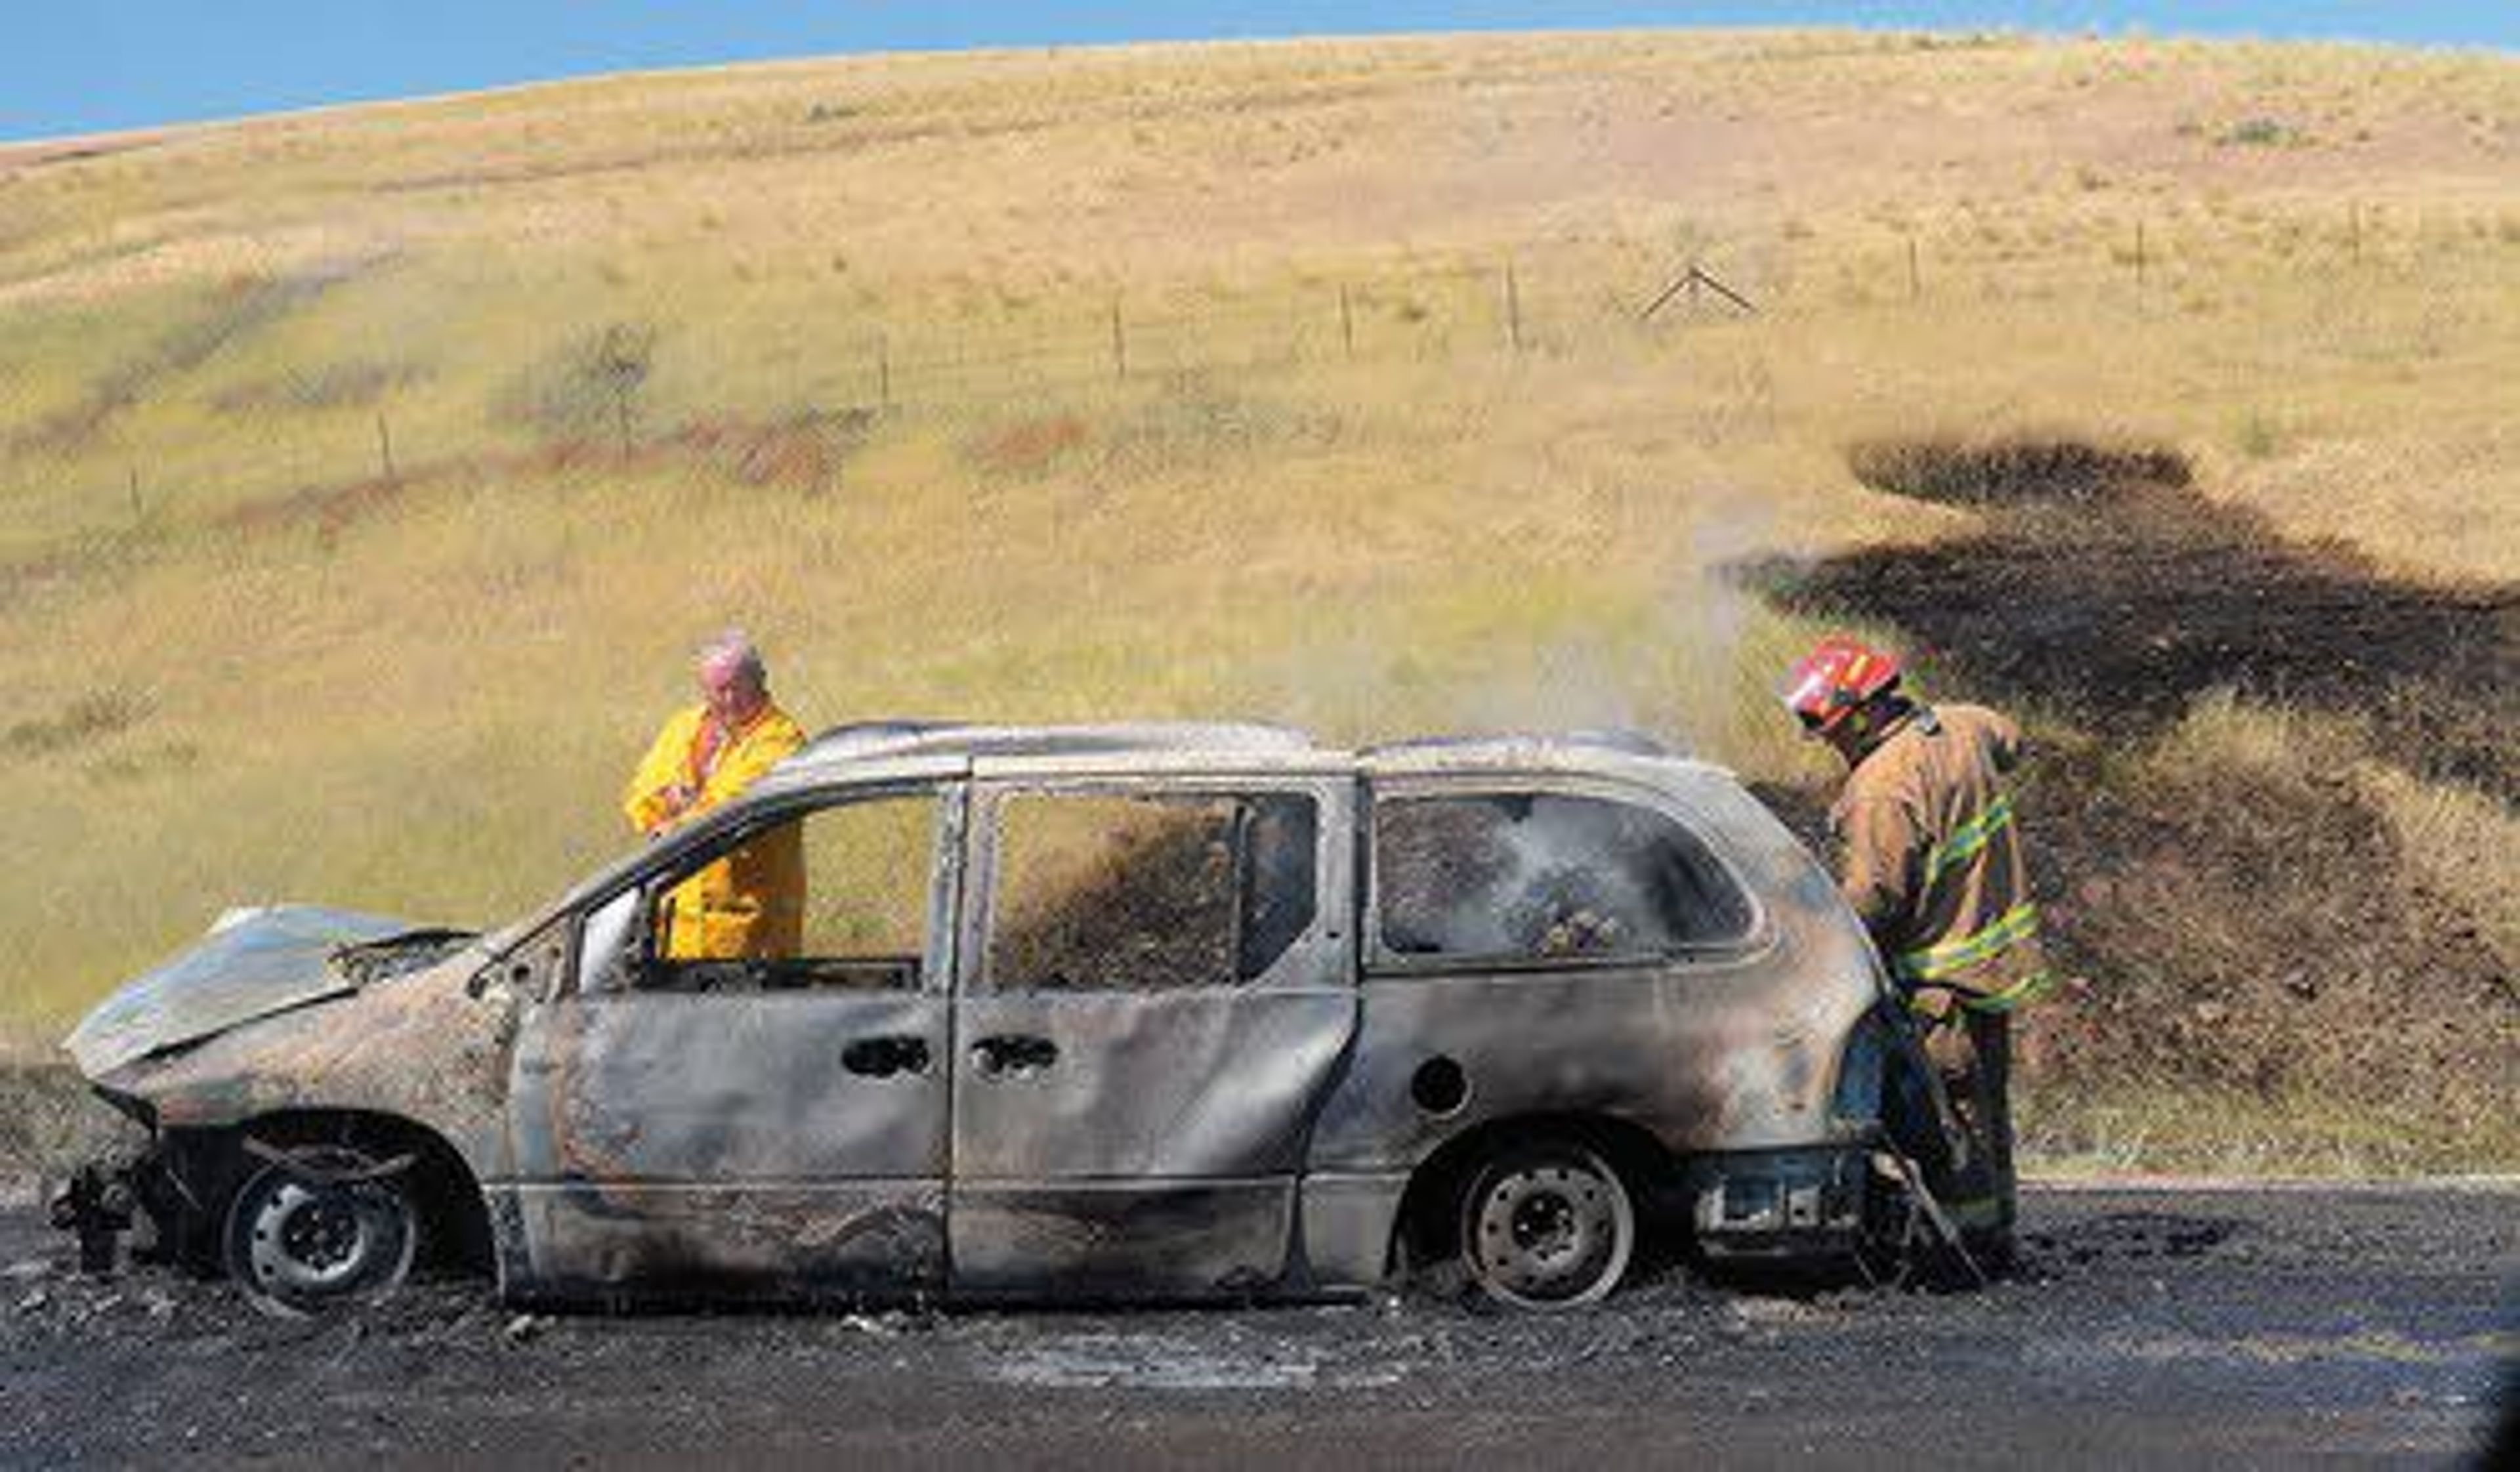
pixel 1107 892
pixel 1545 877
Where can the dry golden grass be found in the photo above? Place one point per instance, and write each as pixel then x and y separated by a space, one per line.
pixel 2147 1126
pixel 420 696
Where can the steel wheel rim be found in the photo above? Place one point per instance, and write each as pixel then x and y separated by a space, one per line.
pixel 1548 1233
pixel 314 1242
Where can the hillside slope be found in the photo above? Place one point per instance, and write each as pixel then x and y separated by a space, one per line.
pixel 364 476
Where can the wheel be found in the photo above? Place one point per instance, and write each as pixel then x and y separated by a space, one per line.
pixel 1545 1224
pixel 300 1244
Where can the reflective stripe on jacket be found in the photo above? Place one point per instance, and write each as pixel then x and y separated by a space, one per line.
pixel 1933 862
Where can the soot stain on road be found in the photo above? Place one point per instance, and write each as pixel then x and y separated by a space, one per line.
pixel 2130 1235
pixel 2376 1314
pixel 2104 583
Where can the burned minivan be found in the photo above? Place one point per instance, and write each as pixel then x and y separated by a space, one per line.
pixel 1123 1011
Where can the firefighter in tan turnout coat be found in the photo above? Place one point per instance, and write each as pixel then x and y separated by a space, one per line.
pixel 1932 864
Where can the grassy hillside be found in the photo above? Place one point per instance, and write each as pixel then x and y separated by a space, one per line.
pixel 364 476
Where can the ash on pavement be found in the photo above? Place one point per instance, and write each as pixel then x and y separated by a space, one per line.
pixel 2225 1326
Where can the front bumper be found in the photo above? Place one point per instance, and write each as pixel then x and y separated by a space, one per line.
pixel 176 1180
pixel 99 1205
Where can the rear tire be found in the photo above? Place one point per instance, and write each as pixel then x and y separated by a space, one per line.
pixel 1545 1224
pixel 301 1244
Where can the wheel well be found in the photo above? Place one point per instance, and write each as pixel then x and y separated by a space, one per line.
pixel 1424 1231
pixel 455 1221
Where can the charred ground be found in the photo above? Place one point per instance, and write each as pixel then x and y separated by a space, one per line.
pixel 2250 924
pixel 2106 585
pixel 2202 1326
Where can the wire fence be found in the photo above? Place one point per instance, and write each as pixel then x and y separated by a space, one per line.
pixel 326 418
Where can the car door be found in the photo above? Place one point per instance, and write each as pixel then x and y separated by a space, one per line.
pixel 773 1122
pixel 1153 993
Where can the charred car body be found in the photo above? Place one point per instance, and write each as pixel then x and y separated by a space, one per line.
pixel 1163 1011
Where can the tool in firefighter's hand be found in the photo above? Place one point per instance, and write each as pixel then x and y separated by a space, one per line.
pixel 1956 1144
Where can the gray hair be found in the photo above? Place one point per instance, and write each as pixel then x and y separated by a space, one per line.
pixel 736 646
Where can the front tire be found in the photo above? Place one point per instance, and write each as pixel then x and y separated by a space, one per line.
pixel 319 1234
pixel 1545 1224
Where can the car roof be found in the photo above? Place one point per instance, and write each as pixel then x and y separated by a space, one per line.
pixel 881 751
pixel 870 741
pixel 1177 745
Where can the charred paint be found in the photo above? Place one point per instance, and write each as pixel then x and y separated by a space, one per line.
pixel 252 963
pixel 1158 1239
pixel 583 1241
pixel 963 1134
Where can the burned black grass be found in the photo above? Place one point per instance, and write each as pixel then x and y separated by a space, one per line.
pixel 2104 586
pixel 2012 470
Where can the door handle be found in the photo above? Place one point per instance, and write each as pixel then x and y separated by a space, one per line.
pixel 882 1057
pixel 1013 1054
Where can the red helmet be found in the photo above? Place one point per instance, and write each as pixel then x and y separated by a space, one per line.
pixel 1837 677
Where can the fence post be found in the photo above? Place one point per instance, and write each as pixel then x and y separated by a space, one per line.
pixel 837 472
pixel 883 370
pixel 1915 282
pixel 1347 323
pixel 1119 343
pixel 1512 310
pixel 138 513
pixel 384 447
pixel 2354 228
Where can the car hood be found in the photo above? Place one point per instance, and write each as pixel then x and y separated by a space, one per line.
pixel 252 963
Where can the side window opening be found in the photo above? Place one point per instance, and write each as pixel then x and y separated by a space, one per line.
pixel 836 899
pixel 609 944
pixel 1099 891
pixel 1278 897
pixel 1545 877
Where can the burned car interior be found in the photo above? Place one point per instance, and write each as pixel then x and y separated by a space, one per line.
pixel 867 873
pixel 1542 876
pixel 1133 893
pixel 1167 1012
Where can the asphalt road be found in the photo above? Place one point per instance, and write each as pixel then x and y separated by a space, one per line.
pixel 2215 1326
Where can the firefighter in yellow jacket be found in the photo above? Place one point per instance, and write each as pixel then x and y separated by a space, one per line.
pixel 751 902
pixel 1932 865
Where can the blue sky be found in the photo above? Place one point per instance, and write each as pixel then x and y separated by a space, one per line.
pixel 88 65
